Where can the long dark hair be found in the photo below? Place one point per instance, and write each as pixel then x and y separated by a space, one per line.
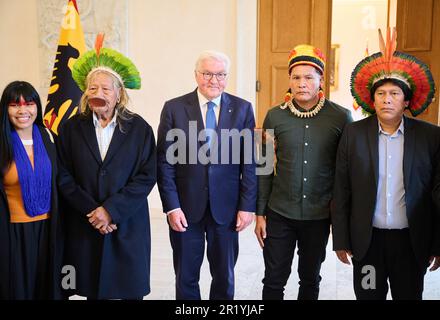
pixel 12 93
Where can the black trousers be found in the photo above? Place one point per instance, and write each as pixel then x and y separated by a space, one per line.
pixel 283 235
pixel 188 253
pixel 390 258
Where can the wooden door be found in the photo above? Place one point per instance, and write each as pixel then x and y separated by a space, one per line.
pixel 283 24
pixel 418 33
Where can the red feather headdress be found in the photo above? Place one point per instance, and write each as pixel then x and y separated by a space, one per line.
pixel 392 64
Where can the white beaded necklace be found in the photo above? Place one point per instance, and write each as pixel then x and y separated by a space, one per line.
pixel 306 114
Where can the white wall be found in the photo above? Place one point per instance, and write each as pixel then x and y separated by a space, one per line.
pixel 164 40
pixel 19 37
pixel 246 40
pixel 354 23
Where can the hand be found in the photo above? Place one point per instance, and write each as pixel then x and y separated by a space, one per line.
pixel 177 221
pixel 99 218
pixel 343 255
pixel 260 230
pixel 244 218
pixel 109 229
pixel 436 264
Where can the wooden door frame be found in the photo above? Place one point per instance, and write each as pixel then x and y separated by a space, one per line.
pixel 315 38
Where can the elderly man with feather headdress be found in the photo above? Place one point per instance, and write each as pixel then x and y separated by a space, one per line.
pixel 108 168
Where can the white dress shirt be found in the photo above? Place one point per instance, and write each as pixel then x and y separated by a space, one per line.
pixel 104 135
pixel 204 106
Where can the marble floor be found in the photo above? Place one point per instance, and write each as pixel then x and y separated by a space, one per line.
pixel 336 277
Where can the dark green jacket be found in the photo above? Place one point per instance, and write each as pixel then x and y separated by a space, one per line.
pixel 305 168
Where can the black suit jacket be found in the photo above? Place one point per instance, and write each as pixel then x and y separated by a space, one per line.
pixel 355 188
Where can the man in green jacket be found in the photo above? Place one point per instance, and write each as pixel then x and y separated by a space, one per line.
pixel 293 207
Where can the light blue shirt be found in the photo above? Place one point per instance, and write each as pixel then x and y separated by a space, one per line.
pixel 390 211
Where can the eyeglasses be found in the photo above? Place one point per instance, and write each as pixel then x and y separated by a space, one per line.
pixel 209 75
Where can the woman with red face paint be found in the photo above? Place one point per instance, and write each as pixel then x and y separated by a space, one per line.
pixel 30 242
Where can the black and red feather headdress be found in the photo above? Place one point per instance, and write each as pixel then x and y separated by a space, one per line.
pixel 392 64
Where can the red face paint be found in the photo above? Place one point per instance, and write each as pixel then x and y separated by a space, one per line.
pixel 22 114
pixel 21 102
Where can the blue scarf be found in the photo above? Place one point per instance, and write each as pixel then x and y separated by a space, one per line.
pixel 35 183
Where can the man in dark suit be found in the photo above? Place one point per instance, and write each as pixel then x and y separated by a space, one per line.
pixel 387 168
pixel 207 189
